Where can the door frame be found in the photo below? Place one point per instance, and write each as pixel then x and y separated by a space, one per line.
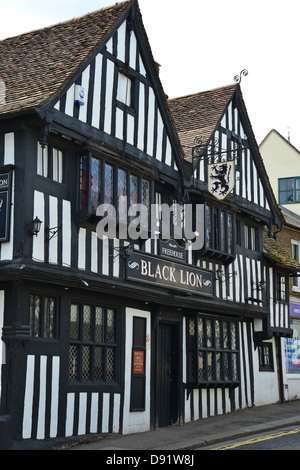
pixel 176 332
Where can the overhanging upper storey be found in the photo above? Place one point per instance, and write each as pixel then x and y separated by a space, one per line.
pixel 219 144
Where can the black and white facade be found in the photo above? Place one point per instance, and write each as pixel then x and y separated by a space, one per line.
pixel 113 335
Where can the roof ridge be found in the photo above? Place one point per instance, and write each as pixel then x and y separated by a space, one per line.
pixel 70 20
pixel 233 85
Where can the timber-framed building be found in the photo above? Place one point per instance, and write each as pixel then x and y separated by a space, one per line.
pixel 113 335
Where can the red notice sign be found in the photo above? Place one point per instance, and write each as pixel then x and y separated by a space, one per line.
pixel 138 362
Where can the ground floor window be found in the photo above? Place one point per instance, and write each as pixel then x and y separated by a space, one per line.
pixel 93 344
pixel 43 316
pixel 265 357
pixel 212 352
pixel 292 349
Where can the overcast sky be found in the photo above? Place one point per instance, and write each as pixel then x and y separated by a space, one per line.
pixel 203 44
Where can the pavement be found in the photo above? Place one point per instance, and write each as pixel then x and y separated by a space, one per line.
pixel 203 432
pixel 193 435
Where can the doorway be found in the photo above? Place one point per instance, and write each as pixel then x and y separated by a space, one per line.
pixel 168 374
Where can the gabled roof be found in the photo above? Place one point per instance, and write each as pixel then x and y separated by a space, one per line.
pixel 198 115
pixel 274 131
pixel 35 66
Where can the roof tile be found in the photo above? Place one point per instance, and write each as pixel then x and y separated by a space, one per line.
pixel 35 66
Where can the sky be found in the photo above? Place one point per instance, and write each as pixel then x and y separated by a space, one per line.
pixel 201 45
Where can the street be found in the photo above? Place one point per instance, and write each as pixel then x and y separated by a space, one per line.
pixel 281 439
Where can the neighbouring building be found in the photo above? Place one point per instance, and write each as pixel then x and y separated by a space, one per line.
pixel 289 238
pixel 282 161
pixel 108 332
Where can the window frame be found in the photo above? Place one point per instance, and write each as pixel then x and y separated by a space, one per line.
pixel 83 343
pixel 85 190
pixel 225 370
pixel 38 325
pixel 278 290
pixel 50 163
pixel 265 350
pixel 218 224
pixel 293 190
pixel 296 279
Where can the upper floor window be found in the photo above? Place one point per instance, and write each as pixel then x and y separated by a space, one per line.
pixel 50 163
pixel 103 183
pixel 219 231
pixel 250 237
pixel 289 190
pixel 124 92
pixel 281 286
pixel 296 256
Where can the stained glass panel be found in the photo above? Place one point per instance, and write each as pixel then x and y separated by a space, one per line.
pixel 133 189
pixel 95 183
pixel 108 184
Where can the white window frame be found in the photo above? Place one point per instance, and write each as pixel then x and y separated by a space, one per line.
pixel 296 280
pixel 124 89
pixel 57 165
pixel 42 161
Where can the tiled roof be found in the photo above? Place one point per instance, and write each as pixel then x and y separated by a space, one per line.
pixel 35 66
pixel 274 251
pixel 198 115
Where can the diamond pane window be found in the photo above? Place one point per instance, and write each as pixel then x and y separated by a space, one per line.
pixel 43 316
pixel 133 189
pixel 108 184
pixel 93 347
pixel 215 345
pixel 122 191
pixel 99 324
pixel 95 183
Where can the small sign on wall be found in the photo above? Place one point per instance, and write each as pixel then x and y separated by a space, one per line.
pixel 138 362
pixel 5 203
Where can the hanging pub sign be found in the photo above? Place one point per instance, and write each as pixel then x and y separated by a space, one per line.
pixel 5 202
pixel 221 179
pixel 165 273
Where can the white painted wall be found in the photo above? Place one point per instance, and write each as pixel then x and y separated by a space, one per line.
pixel 136 421
pixel 266 388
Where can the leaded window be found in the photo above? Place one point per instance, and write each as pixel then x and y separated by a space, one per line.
pixel 43 316
pixel 93 344
pixel 212 352
pixel 101 182
pixel 219 232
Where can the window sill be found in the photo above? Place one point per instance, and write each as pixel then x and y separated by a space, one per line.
pixel 217 384
pixel 215 254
